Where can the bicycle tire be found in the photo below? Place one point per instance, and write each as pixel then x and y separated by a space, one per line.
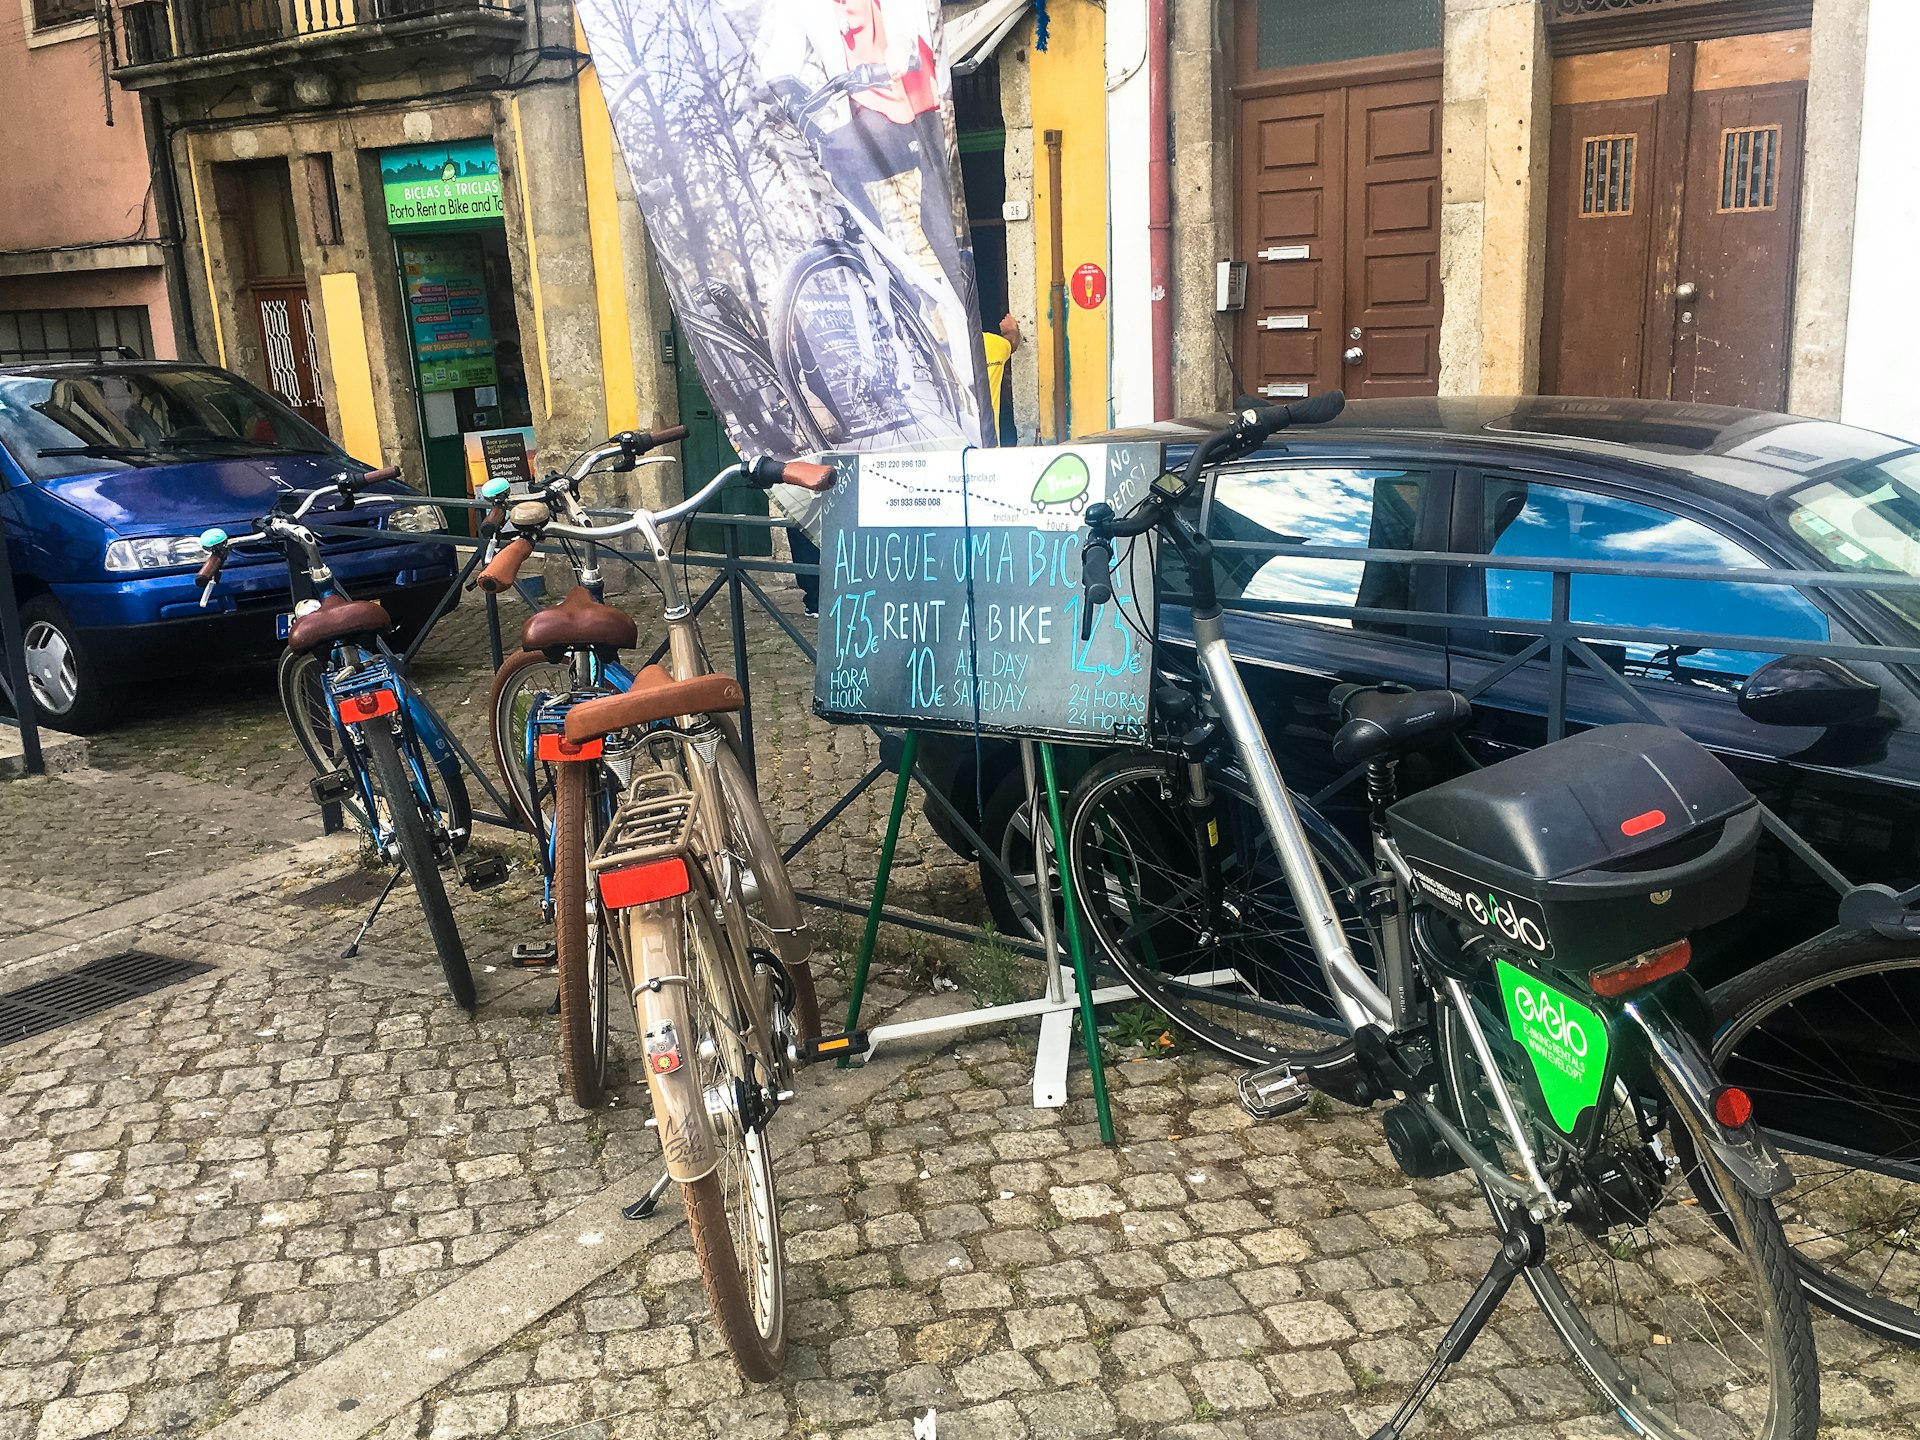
pixel 1773 1026
pixel 390 778
pixel 505 728
pixel 580 940
pixel 303 696
pixel 753 839
pixel 749 1305
pixel 1133 795
pixel 1675 1311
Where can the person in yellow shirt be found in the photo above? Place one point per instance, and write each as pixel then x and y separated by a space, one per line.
pixel 999 347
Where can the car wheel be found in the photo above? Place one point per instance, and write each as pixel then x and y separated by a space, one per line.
pixel 69 692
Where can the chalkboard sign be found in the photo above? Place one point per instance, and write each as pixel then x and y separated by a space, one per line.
pixel 950 594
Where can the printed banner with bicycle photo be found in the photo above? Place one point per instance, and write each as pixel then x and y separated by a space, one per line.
pixel 796 164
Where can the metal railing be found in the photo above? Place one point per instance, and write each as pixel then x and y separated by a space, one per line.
pixel 1562 642
pixel 156 30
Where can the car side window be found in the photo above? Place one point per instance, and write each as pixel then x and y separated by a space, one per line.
pixel 1282 506
pixel 1526 518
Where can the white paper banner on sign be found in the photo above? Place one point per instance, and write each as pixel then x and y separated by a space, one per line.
pixel 798 170
pixel 1040 488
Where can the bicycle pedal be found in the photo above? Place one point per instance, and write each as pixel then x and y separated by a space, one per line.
pixel 535 956
pixel 1271 1092
pixel 486 872
pixel 332 788
pixel 835 1047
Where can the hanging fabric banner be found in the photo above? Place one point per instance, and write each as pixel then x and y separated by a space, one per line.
pixel 796 164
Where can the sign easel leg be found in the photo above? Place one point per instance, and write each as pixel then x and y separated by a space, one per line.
pixel 1056 1026
pixel 1076 948
pixel 864 960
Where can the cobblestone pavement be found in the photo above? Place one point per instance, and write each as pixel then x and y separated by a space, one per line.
pixel 224 1187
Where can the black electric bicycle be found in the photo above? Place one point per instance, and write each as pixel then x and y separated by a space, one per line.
pixel 1518 999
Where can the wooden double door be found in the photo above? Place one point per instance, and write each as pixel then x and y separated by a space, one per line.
pixel 1338 200
pixel 1674 210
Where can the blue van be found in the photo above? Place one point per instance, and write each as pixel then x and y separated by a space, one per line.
pixel 109 470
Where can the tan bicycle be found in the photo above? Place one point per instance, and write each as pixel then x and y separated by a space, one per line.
pixel 650 794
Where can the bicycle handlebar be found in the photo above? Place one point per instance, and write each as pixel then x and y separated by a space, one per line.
pixel 504 568
pixel 1251 427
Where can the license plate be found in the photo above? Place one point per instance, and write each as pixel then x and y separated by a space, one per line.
pixel 283 625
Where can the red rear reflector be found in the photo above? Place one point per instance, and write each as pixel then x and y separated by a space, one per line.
pixel 368 705
pixel 1642 969
pixel 1640 824
pixel 552 745
pixel 643 884
pixel 1732 1106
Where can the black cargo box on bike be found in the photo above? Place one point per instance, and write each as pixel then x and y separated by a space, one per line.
pixel 1588 851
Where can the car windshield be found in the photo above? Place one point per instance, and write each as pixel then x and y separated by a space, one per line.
pixel 63 421
pixel 1866 520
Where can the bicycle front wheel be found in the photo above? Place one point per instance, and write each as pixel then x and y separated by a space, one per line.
pixel 519 685
pixel 776 909
pixel 580 933
pixel 1825 1038
pixel 1690 1333
pixel 1246 980
pixel 395 787
pixel 732 1213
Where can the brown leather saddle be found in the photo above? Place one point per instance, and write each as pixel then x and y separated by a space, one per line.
pixel 336 619
pixel 579 621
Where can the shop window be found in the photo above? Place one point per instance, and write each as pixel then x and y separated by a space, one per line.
pixel 1313 32
pixel 106 332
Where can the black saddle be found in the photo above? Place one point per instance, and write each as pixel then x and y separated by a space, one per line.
pixel 1388 724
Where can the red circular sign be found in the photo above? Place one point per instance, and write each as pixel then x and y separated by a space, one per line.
pixel 1089 286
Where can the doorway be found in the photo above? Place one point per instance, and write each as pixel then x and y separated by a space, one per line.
pixel 276 287
pixel 1675 206
pixel 1337 168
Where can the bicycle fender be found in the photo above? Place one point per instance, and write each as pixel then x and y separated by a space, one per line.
pixel 655 941
pixel 1746 1152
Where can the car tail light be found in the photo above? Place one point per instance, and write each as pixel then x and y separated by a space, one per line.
pixel 1732 1106
pixel 367 705
pixel 643 884
pixel 552 745
pixel 1642 969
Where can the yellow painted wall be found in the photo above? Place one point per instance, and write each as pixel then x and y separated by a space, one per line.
pixel 609 265
pixel 352 372
pixel 1070 95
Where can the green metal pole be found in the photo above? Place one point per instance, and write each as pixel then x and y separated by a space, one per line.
pixel 867 941
pixel 1075 947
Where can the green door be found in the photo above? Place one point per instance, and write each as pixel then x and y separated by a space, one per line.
pixel 705 453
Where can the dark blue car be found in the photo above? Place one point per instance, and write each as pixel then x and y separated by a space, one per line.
pixel 108 473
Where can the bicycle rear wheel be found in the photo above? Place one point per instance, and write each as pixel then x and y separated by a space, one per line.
pixel 580 933
pixel 732 1213
pixel 1825 1038
pixel 394 785
pixel 1688 1334
pixel 1250 986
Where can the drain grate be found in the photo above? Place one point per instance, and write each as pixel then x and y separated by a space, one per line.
pixel 61 999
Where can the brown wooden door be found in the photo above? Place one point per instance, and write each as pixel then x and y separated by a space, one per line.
pixel 292 354
pixel 1673 210
pixel 1340 227
pixel 1737 247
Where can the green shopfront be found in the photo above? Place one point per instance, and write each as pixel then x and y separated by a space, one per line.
pixel 469 369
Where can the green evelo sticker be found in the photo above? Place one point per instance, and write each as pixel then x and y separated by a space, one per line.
pixel 1566 1041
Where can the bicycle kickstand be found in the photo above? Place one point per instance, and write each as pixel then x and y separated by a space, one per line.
pixel 643 1207
pixel 1522 1246
pixel 372 915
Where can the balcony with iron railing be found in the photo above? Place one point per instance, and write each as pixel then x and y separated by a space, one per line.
pixel 163 39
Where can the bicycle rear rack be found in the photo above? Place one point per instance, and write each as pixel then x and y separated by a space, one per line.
pixel 654 822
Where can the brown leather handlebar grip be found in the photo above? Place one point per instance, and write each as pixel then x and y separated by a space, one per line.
pixel 670 434
pixel 374 477
pixel 504 567
pixel 807 475
pixel 209 570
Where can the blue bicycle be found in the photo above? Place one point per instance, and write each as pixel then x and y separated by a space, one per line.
pixel 380 751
